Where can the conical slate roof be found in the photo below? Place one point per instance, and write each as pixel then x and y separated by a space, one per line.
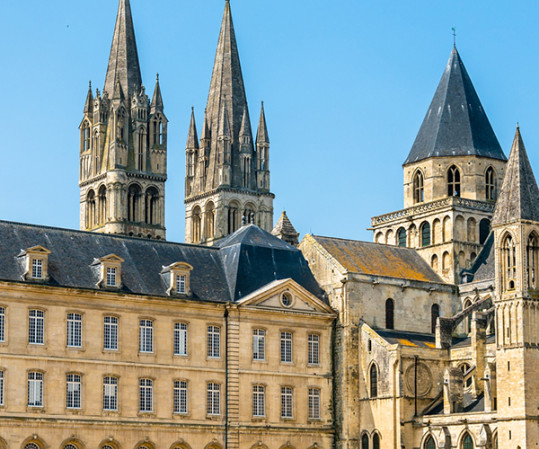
pixel 123 61
pixel 455 124
pixel 519 195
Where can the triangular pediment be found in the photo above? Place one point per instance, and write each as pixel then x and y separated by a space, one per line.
pixel 111 258
pixel 37 250
pixel 285 295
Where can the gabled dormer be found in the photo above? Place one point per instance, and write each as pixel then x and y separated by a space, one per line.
pixel 35 261
pixel 177 277
pixel 109 269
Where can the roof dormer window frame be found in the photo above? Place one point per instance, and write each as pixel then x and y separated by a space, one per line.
pixel 36 264
pixel 178 276
pixel 110 272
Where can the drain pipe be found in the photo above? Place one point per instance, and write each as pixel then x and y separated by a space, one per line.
pixel 226 377
pixel 415 385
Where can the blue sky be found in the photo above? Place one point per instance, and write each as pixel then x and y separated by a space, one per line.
pixel 346 85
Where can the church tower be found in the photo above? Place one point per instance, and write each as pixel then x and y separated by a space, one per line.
pixel 516 236
pixel 227 179
pixel 123 146
pixel 451 179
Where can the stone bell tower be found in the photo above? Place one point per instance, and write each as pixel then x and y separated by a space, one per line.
pixel 516 235
pixel 227 179
pixel 123 146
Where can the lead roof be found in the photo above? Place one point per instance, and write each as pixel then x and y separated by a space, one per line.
pixel 245 262
pixel 456 123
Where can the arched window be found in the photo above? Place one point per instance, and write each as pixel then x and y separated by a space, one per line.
pixel 249 214
pixel 152 211
pixel 102 199
pixel 425 234
pixel 390 310
pixel 96 153
pixel 31 446
pixel 429 443
pixel 140 149
pixel 434 262
pixel 373 377
pixel 490 184
pixel 436 231
pixel 434 314
pixel 453 181
pixel 90 209
pixel 86 137
pixel 157 135
pixel 484 230
pixel 419 196
pixel 472 230
pixel 365 441
pixel 401 237
pixel 233 217
pixel 133 203
pixel 376 441
pixel 532 251
pixel 210 221
pixel 70 446
pixel 197 224
pixel 467 442
pixel 465 367
pixel 446 261
pixel 468 319
pixel 509 261
pixel 120 123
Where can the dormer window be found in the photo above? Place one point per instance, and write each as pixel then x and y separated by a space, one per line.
pixel 110 271
pixel 35 263
pixel 177 277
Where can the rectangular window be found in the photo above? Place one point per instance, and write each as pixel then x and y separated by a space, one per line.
pixel 110 333
pixel 73 391
pixel 180 284
pixel 2 324
pixel 180 339
pixel 111 277
pixel 146 336
pixel 74 330
pixel 313 349
pixel 286 347
pixel 286 402
pixel 146 395
pixel 314 403
pixel 259 401
pixel 35 389
pixel 213 341
pixel 213 399
pixel 259 344
pixel 37 269
pixel 1 388
pixel 36 327
pixel 110 393
pixel 180 397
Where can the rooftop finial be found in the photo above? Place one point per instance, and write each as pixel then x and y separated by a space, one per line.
pixel 454 29
pixel 157 76
pixel 518 126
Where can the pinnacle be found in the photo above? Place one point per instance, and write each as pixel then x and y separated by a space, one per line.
pixel 262 133
pixel 157 99
pixel 192 137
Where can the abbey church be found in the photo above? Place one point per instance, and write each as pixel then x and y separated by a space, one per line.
pixel 244 337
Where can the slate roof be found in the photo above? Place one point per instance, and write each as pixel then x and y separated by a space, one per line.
pixel 456 123
pixel 483 267
pixel 246 261
pixel 378 259
pixel 519 195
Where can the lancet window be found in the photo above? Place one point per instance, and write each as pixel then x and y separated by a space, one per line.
pixel 453 181
pixel 419 196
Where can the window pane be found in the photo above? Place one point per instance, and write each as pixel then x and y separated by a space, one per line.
pixel 286 402
pixel 213 399
pixel 35 327
pixel 180 397
pixel 110 393
pixel 146 336
pixel 313 349
pixel 110 332
pixel 314 403
pixel 1 388
pixel 213 341
pixel 2 324
pixel 259 406
pixel 146 395
pixel 259 344
pixel 286 347
pixel 180 339
pixel 74 330
pixel 35 389
pixel 73 391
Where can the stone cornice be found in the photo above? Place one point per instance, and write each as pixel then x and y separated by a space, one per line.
pixel 227 189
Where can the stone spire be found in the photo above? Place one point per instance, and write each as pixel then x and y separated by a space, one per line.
pixel 456 123
pixel 123 61
pixel 89 105
pixel 157 99
pixel 245 129
pixel 227 80
pixel 262 133
pixel 286 231
pixel 519 195
pixel 192 137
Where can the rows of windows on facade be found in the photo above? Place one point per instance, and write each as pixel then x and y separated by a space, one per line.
pixel 74 331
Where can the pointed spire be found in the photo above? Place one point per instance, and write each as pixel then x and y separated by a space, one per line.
pixel 123 61
pixel 227 79
pixel 205 131
pixel 245 130
pixel 89 105
pixel 157 99
pixel 224 123
pixel 455 124
pixel 192 137
pixel 285 230
pixel 519 195
pixel 118 91
pixel 262 135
